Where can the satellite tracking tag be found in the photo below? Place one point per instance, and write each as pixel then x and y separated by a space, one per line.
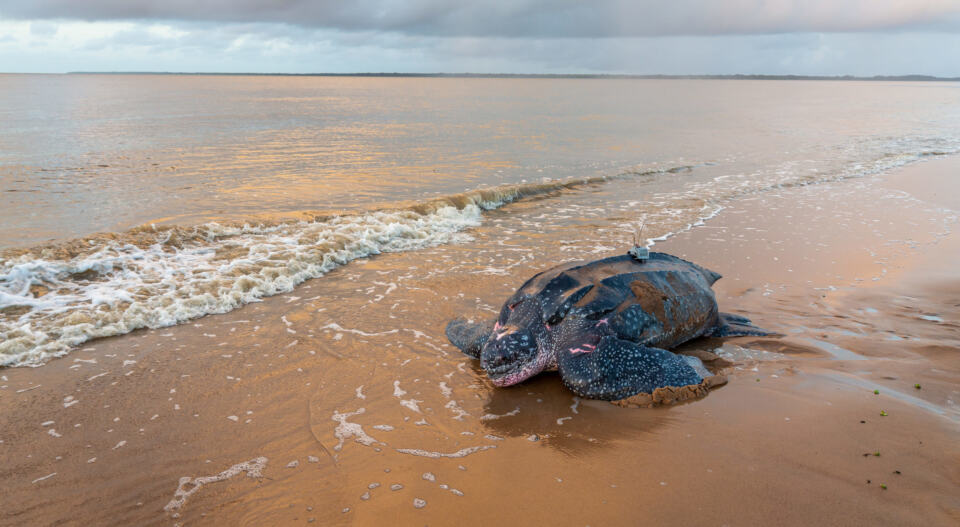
pixel 640 254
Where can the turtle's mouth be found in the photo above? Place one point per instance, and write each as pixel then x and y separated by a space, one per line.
pixel 510 374
pixel 517 372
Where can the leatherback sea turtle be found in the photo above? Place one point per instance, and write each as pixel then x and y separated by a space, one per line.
pixel 605 325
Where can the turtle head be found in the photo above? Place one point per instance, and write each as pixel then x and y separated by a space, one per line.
pixel 512 353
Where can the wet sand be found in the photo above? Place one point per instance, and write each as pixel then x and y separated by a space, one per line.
pixel 361 408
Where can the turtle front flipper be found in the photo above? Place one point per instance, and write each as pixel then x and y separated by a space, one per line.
pixel 469 336
pixel 730 325
pixel 614 369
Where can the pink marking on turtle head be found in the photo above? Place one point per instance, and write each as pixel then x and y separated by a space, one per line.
pixel 602 322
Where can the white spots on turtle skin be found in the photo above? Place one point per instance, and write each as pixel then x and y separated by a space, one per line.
pixel 621 368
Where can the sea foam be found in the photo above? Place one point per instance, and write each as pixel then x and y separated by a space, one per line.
pixel 55 297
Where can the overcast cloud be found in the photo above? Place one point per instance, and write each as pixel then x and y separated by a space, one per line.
pixel 861 37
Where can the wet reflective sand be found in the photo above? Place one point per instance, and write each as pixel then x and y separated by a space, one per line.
pixel 365 414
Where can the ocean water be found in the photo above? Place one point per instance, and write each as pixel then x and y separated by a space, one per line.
pixel 148 201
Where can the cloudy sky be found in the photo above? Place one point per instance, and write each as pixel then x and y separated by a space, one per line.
pixel 807 37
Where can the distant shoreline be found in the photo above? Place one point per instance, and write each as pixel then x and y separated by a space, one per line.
pixel 927 78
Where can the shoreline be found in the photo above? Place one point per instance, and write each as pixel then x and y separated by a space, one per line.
pixel 846 270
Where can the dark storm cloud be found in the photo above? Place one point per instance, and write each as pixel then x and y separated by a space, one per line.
pixel 526 18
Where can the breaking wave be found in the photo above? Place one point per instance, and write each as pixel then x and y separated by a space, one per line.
pixel 58 296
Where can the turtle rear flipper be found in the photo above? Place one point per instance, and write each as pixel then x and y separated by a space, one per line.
pixel 469 336
pixel 729 325
pixel 616 369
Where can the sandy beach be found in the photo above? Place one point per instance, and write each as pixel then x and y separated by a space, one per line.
pixel 343 403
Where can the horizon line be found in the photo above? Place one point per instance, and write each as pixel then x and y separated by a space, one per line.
pixel 733 76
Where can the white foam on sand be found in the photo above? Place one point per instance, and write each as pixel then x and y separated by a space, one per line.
pixel 445 390
pixel 459 413
pixel 189 486
pixel 48 476
pixel 493 417
pixel 345 430
pixel 411 404
pixel 436 455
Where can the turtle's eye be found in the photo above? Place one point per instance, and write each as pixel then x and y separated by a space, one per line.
pixel 513 305
pixel 556 318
